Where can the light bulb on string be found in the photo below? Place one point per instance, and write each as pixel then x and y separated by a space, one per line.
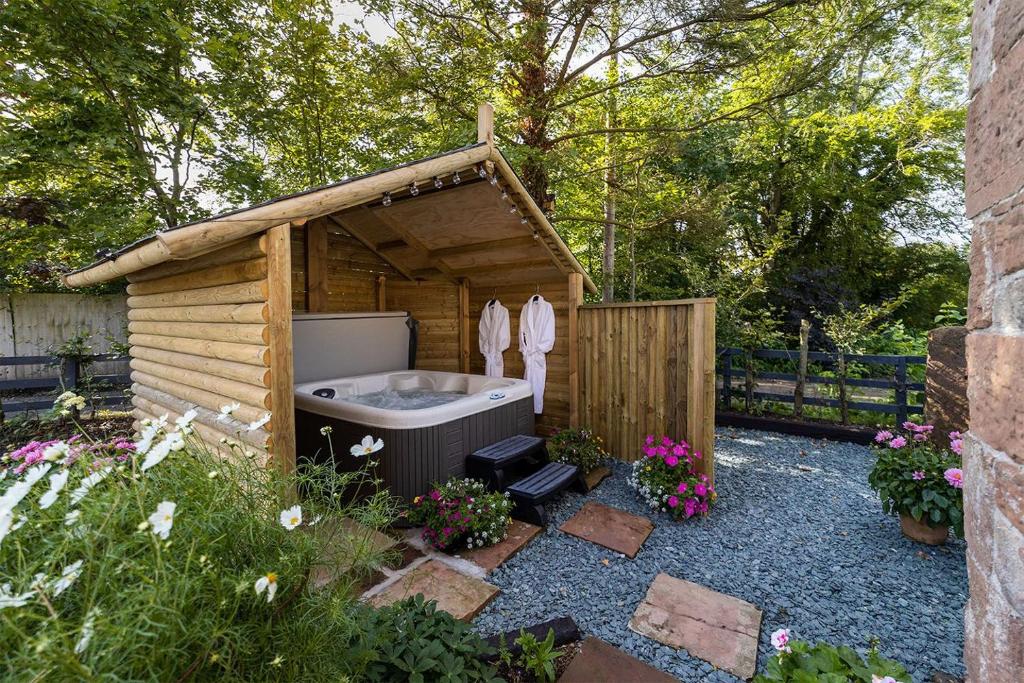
pixel 413 190
pixel 437 183
pixel 386 201
pixel 524 220
pixel 504 195
pixel 456 179
pixel 514 209
pixel 536 235
pixel 494 179
pixel 482 171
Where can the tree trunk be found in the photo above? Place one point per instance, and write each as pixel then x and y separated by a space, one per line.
pixel 533 101
pixel 611 121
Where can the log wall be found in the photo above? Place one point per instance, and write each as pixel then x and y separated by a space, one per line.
pixel 435 304
pixel 199 331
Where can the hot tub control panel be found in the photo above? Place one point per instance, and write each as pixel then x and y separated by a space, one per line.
pixel 324 393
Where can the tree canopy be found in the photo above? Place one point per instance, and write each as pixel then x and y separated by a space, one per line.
pixel 792 157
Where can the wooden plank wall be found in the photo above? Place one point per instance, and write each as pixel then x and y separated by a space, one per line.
pixel 436 305
pixel 200 338
pixel 352 272
pixel 648 368
pixel 513 297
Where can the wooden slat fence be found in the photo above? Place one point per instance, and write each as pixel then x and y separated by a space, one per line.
pixel 648 368
pixel 70 374
pixel 897 381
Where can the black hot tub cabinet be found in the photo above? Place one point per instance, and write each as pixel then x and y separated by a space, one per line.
pixel 421 446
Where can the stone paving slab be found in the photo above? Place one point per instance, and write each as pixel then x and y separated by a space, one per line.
pixel 718 628
pixel 599 662
pixel 493 556
pixel 460 595
pixel 609 527
pixel 596 476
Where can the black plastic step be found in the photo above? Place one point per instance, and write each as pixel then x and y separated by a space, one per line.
pixel 530 493
pixel 492 462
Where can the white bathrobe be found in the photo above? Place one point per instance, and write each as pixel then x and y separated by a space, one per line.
pixel 494 337
pixel 536 337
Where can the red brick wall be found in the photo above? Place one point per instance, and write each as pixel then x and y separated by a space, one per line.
pixel 994 453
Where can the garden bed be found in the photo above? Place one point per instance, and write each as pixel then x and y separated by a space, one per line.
pixel 796 531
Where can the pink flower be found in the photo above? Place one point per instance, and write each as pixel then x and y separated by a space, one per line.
pixel 671 460
pixel 898 442
pixel 955 477
pixel 953 436
pixel 435 495
pixel 649 441
pixel 780 640
pixel 649 451
pixel 920 436
pixel 673 501
pixel 910 426
pixel 702 508
pixel 679 450
pixel 662 451
pixel 700 490
pixel 918 475
pixel 883 436
pixel 665 441
pixel 696 454
pixel 682 487
pixel 957 446
pixel 690 506
pixel 703 477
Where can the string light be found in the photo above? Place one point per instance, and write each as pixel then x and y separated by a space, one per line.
pixel 536 235
pixel 514 209
pixel 413 190
pixel 524 220
pixel 494 179
pixel 437 182
pixel 504 195
pixel 387 199
pixel 456 179
pixel 482 171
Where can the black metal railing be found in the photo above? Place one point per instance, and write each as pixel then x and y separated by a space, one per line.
pixel 70 377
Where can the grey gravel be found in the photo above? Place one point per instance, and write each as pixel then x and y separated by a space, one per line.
pixel 812 549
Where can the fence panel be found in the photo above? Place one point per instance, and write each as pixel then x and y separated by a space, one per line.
pixel 649 368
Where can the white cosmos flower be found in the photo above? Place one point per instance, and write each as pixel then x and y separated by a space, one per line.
pixel 162 520
pixel 87 630
pixel 9 599
pixel 253 426
pixel 367 446
pixel 72 517
pixel 19 489
pixel 6 520
pixel 57 483
pixel 67 577
pixel 185 421
pixel 157 453
pixel 267 583
pixel 87 483
pixel 227 411
pixel 292 517
pixel 56 451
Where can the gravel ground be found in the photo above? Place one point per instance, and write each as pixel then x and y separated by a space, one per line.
pixel 812 549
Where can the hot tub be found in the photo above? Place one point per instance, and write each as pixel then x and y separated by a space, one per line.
pixel 429 421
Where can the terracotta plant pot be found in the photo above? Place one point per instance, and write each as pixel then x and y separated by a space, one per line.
pixel 923 533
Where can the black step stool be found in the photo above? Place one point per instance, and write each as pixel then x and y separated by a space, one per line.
pixel 529 494
pixel 492 462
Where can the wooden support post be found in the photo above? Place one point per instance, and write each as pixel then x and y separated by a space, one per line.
pixel 801 371
pixel 464 326
pixel 316 266
pixel 575 299
pixel 700 386
pixel 485 123
pixel 282 389
pixel 382 293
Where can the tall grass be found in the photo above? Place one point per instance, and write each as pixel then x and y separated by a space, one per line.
pixel 145 608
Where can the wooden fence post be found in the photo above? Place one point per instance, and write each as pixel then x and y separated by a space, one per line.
pixel 726 397
pixel 748 380
pixel 69 373
pixel 844 408
pixel 801 372
pixel 901 391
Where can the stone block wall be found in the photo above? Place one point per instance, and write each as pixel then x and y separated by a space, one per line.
pixel 945 396
pixel 994 453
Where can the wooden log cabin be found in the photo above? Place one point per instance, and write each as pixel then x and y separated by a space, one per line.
pixel 211 302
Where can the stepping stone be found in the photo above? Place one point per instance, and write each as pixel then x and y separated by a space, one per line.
pixel 720 629
pixel 599 662
pixel 461 596
pixel 349 543
pixel 596 476
pixel 609 527
pixel 493 556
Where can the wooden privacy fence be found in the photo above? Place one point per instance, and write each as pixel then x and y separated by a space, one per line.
pixel 648 368
pixel 896 381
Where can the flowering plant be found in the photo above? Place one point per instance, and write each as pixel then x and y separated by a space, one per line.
pixel 667 480
pixel 798 661
pixel 462 511
pixel 915 476
pixel 580 447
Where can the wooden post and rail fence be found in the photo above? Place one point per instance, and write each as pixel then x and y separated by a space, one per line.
pixel 69 377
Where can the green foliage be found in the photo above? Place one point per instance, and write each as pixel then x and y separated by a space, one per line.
pixel 577 446
pixel 539 656
pixel 824 663
pixel 911 480
pixel 950 315
pixel 462 511
pixel 413 641
pixel 144 607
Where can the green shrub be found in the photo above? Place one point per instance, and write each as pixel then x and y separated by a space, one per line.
pixel 462 511
pixel 580 447
pixel 414 641
pixel 539 656
pixel 800 662
pixel 152 574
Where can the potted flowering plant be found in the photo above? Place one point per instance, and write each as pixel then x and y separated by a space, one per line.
pixel 462 511
pixel 797 661
pixel 580 447
pixel 666 479
pixel 920 481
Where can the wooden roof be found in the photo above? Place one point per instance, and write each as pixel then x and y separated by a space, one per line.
pixel 485 228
